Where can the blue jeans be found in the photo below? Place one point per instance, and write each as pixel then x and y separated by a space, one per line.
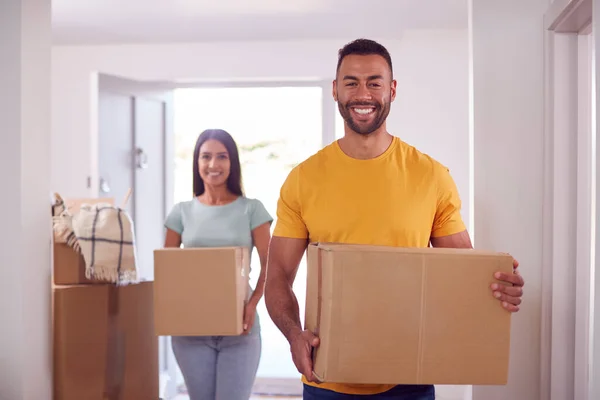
pixel 219 367
pixel 400 392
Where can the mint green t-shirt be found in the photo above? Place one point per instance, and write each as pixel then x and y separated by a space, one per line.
pixel 201 225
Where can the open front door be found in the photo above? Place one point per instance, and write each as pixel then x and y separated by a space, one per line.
pixel 135 136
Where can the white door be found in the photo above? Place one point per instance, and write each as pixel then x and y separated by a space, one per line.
pixel 135 127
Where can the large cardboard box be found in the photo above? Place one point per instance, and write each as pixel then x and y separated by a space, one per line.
pixel 200 291
pixel 407 316
pixel 68 265
pixel 104 343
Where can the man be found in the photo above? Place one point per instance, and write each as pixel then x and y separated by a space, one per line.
pixel 367 188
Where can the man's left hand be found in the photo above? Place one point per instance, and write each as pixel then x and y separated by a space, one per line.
pixel 510 295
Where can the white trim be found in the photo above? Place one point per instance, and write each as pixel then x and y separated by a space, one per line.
pixel 568 16
pixel 243 84
pixel 94 178
pixel 547 222
pixel 594 386
pixel 595 317
pixel 169 153
pixel 328 135
pixel 471 106
pixel 564 216
pixel 587 29
pixel 584 216
pixel 329 114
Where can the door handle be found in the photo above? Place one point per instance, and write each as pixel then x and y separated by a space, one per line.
pixel 104 186
pixel 141 158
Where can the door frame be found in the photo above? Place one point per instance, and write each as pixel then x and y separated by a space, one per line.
pixel 328 107
pixel 113 82
pixel 566 291
pixel 110 82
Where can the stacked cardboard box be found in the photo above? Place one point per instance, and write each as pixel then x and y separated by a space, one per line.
pixel 104 341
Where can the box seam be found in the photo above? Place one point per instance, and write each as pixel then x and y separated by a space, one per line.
pixel 422 317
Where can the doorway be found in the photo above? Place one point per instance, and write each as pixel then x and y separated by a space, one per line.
pixel 275 128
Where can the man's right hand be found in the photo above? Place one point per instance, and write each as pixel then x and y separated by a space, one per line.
pixel 301 346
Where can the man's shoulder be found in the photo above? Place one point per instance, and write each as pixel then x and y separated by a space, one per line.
pixel 417 159
pixel 315 162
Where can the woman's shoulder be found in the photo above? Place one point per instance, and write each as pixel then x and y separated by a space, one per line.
pixel 256 212
pixel 252 207
pixel 183 206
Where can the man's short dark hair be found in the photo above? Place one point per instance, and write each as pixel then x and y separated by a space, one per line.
pixel 364 47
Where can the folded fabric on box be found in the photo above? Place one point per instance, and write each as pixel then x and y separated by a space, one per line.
pixel 103 234
pixel 62 224
pixel 106 238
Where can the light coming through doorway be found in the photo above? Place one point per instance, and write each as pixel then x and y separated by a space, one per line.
pixel 275 129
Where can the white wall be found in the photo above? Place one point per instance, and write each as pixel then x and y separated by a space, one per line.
pixel 509 141
pixel 431 111
pixel 508 79
pixel 595 318
pixel 25 345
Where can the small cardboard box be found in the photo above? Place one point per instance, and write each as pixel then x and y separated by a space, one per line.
pixel 200 291
pixel 69 266
pixel 389 315
pixel 104 343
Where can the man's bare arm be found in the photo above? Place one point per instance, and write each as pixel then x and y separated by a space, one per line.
pixel 285 255
pixel 460 240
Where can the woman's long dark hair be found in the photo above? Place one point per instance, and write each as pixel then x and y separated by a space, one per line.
pixel 234 181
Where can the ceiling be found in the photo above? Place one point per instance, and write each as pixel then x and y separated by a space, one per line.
pixel 81 22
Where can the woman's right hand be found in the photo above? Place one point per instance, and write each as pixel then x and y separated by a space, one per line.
pixel 301 346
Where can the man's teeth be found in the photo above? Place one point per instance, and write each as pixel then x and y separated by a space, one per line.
pixel 363 111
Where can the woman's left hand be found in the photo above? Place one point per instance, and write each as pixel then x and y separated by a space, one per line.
pixel 249 316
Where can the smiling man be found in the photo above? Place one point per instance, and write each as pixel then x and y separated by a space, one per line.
pixel 367 188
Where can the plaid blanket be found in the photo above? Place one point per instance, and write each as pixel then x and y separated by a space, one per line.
pixel 105 236
pixel 62 223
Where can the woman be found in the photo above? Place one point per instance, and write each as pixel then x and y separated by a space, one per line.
pixel 219 215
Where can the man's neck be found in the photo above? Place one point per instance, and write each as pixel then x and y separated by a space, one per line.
pixel 364 147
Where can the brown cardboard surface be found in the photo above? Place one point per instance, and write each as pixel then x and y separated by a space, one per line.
pixel 200 291
pixel 104 344
pixel 407 316
pixel 69 266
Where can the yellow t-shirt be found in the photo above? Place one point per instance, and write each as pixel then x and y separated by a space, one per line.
pixel 401 198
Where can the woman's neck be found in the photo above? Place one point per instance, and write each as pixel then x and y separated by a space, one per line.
pixel 216 196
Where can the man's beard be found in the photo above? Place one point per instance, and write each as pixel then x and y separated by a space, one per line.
pixel 381 112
